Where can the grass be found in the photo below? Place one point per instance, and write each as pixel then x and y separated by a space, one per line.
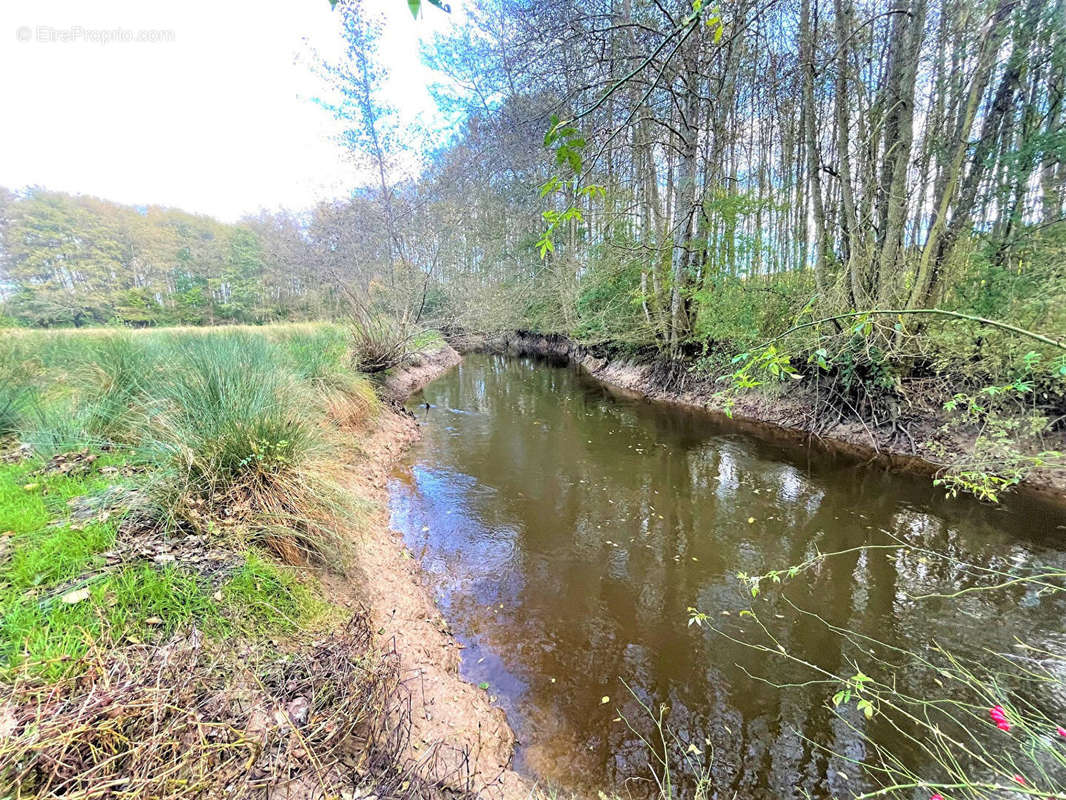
pixel 164 494
pixel 227 436
pixel 427 340
pixel 50 556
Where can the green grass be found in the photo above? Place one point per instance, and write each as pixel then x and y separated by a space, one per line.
pixel 238 424
pixel 138 602
pixel 216 416
pixel 427 340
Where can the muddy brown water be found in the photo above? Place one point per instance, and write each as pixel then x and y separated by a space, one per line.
pixel 566 528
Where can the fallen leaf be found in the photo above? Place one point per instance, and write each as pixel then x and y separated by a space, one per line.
pixel 153 621
pixel 8 721
pixel 75 596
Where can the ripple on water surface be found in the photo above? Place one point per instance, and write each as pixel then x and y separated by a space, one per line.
pixel 568 528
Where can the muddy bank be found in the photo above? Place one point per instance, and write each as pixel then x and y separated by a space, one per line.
pixel 791 413
pixel 420 369
pixel 458 739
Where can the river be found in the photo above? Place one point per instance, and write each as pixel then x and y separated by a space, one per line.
pixel 567 528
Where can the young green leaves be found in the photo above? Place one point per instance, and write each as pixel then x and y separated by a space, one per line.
pixel 566 143
pixel 416 6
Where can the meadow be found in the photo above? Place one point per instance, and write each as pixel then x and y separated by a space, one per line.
pixel 166 500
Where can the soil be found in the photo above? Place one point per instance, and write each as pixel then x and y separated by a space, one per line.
pixel 419 370
pixel 792 414
pixel 457 738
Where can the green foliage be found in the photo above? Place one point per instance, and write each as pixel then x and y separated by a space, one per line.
pixel 76 261
pixel 227 422
pixel 415 6
pixel 221 432
pixel 231 414
pixel 609 303
pixel 16 385
pixel 566 145
pixel 1006 447
pixel 742 311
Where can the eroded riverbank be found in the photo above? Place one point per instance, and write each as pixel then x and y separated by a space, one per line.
pixel 457 738
pixel 792 414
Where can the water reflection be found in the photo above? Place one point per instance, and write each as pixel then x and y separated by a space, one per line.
pixel 567 528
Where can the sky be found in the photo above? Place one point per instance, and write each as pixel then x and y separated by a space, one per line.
pixel 211 112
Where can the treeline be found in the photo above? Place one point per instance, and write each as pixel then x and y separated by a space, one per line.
pixel 75 260
pixel 753 156
pixel 726 171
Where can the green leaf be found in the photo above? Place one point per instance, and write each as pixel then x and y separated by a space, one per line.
pixel 545 245
pixel 550 186
pixel 415 6
pixel 553 133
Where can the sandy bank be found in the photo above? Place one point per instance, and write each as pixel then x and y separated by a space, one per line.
pixel 458 739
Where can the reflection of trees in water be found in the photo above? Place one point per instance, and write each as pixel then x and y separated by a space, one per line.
pixel 571 470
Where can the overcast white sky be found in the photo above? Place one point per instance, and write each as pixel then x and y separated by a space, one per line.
pixel 217 121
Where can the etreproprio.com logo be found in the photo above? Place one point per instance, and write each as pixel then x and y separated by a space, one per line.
pixel 78 34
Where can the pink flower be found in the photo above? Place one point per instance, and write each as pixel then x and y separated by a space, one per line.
pixel 1019 780
pixel 937 796
pixel 1061 730
pixel 999 716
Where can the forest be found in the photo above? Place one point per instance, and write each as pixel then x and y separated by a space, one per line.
pixel 726 160
pixel 838 225
pixel 760 191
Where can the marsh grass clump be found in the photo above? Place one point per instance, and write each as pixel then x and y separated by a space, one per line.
pixel 234 430
pixel 17 384
pixel 237 438
pixel 153 634
pixel 322 358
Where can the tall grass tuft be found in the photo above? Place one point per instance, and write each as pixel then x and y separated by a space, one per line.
pixel 236 429
pixel 18 383
pixel 323 359
pixel 115 383
pixel 237 437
